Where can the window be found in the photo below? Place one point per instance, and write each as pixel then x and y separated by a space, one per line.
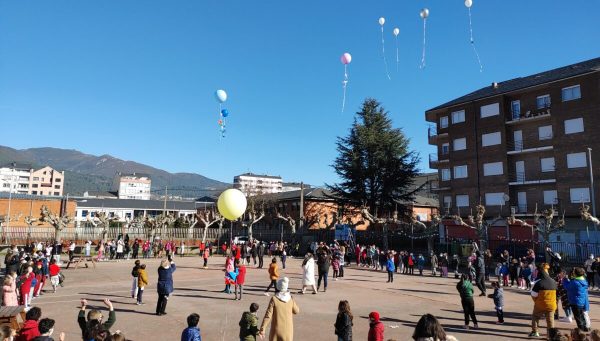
pixel 458 116
pixel 494 199
pixel 57 180
pixel 543 102
pixel 84 213
pixel 515 108
pixel 444 122
pixel 445 148
pixel 574 126
pixel 34 185
pixel 460 172
pixel 579 195
pixel 545 132
pixel 547 164
pixel 422 216
pixel 56 186
pixel 490 139
pixel 493 168
pixel 490 110
pixel 571 93
pixel 447 201
pixel 445 174
pixel 462 200
pixel 35 178
pixel 34 192
pixel 56 193
pixel 576 160
pixel 550 198
pixel 460 144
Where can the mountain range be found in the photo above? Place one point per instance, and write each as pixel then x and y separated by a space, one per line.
pixel 85 172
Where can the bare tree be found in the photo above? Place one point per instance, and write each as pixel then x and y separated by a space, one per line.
pixel 289 220
pixel 253 217
pixel 545 224
pixel 209 217
pixel 373 219
pixel 58 222
pixel 587 216
pixel 102 219
pixel 4 219
pixel 30 220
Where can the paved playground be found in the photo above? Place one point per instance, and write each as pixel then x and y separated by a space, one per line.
pixel 198 290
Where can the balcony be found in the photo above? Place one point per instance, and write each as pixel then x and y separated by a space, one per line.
pixel 519 178
pixel 529 116
pixel 434 162
pixel 519 147
pixel 433 135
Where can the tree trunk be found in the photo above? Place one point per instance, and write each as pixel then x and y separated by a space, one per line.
pixel 204 233
pixel 57 234
pixel 250 231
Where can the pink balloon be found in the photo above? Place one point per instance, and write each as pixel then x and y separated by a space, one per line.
pixel 346 58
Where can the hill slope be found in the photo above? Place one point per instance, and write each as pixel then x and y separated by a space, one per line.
pixel 85 172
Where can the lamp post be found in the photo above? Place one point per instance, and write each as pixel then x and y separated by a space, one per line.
pixel 593 195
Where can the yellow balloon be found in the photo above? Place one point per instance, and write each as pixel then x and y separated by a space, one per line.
pixel 232 204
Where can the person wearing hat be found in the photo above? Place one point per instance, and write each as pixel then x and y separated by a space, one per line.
pixel 280 314
pixel 543 294
pixel 376 328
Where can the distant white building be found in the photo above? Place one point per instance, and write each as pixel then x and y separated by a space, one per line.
pixel 22 178
pixel 132 186
pixel 293 186
pixel 253 184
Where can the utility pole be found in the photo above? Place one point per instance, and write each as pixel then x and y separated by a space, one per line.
pixel 301 225
pixel 165 206
pixel 592 182
pixel 592 190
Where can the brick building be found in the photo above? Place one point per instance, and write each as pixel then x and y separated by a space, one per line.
pixel 22 206
pixel 521 144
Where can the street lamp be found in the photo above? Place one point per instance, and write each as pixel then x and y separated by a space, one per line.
pixel 593 195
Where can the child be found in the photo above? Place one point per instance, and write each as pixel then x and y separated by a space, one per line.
pixel 230 278
pixel 513 272
pixel 497 272
pixel 273 275
pixel 343 322
pixel 391 267
pixel 9 292
pixel 504 272
pixel 54 271
pixel 577 292
pixel 134 274
pixel 192 332
pixel 46 328
pixel 526 271
pixel 30 330
pixel 376 328
pixel 239 279
pixel 95 317
pixel 205 255
pixel 26 286
pixel 498 297
pixel 561 293
pixel 420 264
pixel 142 282
pixel 249 324
pixel 335 263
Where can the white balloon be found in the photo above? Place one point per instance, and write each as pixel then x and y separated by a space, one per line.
pixel 468 3
pixel 424 13
pixel 396 31
pixel 381 21
pixel 221 96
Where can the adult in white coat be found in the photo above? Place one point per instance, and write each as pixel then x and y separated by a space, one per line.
pixel 308 269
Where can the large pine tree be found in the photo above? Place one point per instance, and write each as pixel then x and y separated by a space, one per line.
pixel 375 164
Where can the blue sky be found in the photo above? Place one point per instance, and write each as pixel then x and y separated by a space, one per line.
pixel 135 79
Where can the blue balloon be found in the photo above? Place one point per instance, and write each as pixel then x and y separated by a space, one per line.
pixel 225 112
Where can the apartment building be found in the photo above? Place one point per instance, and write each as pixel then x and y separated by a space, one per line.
pixel 522 144
pixel 132 186
pixel 21 178
pixel 253 184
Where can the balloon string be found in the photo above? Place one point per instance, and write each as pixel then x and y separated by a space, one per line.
pixel 383 53
pixel 397 57
pixel 422 66
pixel 473 42
pixel 345 82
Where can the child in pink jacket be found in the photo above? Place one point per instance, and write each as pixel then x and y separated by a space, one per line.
pixel 9 292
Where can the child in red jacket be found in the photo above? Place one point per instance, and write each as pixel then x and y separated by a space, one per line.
pixel 25 288
pixel 239 280
pixel 375 327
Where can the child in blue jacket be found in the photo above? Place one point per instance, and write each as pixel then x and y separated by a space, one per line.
pixel 577 292
pixel 391 267
pixel 498 297
pixel 504 271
